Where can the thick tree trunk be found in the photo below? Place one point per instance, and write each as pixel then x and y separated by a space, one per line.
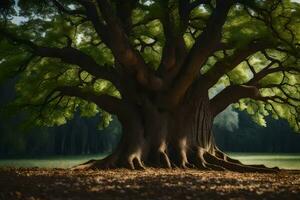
pixel 179 138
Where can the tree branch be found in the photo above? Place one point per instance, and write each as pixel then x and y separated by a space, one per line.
pixel 174 50
pixel 204 46
pixel 263 73
pixel 227 64
pixel 232 94
pixel 114 36
pixel 69 55
pixel 108 103
pixel 124 12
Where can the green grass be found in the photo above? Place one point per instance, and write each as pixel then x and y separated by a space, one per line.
pixel 286 161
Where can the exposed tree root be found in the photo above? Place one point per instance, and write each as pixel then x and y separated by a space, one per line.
pixel 221 155
pixel 234 166
pixel 160 160
pixel 133 162
pixel 205 160
pixel 202 163
pixel 95 164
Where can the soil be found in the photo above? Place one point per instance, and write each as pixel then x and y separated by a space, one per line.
pixel 56 184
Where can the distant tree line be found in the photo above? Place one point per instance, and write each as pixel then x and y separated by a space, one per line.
pixel 250 137
pixel 79 136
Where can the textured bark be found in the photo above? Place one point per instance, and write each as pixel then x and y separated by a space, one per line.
pixel 179 138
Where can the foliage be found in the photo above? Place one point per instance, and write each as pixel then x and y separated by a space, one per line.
pixel 65 24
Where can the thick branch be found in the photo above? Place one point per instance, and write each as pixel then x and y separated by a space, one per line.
pixel 234 93
pixel 124 12
pixel 69 55
pixel 230 95
pixel 204 46
pixel 114 36
pixel 174 50
pixel 85 62
pixel 168 60
pixel 227 64
pixel 108 103
pixel 263 73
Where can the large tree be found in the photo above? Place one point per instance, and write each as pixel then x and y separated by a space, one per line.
pixel 153 64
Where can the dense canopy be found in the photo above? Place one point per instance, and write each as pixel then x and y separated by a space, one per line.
pixel 259 47
pixel 107 56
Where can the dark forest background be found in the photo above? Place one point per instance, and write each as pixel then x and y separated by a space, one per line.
pixel 82 135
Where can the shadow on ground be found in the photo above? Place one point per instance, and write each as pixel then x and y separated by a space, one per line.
pixel 150 184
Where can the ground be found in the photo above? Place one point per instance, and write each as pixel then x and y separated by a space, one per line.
pixel 149 184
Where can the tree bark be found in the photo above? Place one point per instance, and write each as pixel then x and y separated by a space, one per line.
pixel 181 137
